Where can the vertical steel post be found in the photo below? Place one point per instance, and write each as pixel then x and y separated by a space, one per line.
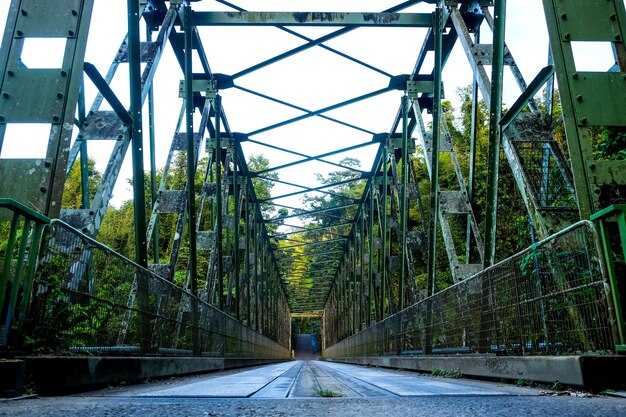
pixel 434 159
pixel 495 114
pixel 370 270
pixel 383 233
pixel 362 308
pixel 191 169
pixel 472 159
pixel 404 212
pixel 218 182
pixel 236 231
pixel 84 159
pixel 247 263
pixel 153 179
pixel 139 195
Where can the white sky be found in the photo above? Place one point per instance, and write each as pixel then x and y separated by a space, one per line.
pixel 313 79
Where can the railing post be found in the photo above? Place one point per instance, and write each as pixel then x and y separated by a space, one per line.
pixel 615 214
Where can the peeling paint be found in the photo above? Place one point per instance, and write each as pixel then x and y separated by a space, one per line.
pixel 381 18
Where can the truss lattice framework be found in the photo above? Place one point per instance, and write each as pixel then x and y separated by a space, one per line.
pixel 357 259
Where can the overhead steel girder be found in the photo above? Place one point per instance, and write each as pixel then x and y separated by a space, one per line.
pixel 310 213
pixel 312 19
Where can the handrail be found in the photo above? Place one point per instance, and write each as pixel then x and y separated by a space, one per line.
pixel 24 210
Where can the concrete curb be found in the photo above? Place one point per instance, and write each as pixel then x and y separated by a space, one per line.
pixel 593 372
pixel 54 375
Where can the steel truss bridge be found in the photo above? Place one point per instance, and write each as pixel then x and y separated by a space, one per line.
pixel 245 268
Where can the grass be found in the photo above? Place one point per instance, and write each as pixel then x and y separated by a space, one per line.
pixel 447 373
pixel 328 393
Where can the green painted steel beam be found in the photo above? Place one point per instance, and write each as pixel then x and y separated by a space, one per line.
pixel 495 132
pixel 309 213
pixel 312 19
pixel 325 242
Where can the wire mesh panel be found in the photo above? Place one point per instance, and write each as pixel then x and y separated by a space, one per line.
pixel 86 299
pixel 549 299
pixel 544 167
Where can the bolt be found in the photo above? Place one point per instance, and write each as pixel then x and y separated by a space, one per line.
pixel 55 118
pixel 70 32
pixel 10 73
pixel 579 98
pixel 1 118
pixel 563 16
pixel 613 17
pixel 120 137
pixel 617 37
pixel 19 33
pixel 86 124
pixel 47 164
pixel 59 95
pixel 5 95
pixel 575 75
pixel 43 189
pixel 24 12
pixel 91 212
pixel 74 13
pixel 567 35
pixel 583 121
pixel 63 73
pixel 592 166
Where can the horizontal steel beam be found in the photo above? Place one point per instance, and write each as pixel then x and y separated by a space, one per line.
pixel 312 19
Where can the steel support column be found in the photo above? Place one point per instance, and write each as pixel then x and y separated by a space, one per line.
pixel 495 132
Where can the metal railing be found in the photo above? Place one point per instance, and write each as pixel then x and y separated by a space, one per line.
pixel 21 229
pixel 84 302
pixel 551 299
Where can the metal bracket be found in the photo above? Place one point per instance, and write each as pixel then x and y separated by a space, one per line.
pixel 414 88
pixel 209 87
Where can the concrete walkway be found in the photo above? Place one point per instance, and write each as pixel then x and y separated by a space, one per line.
pixel 294 388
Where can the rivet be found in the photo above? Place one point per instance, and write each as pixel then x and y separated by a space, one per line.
pixel 43 189
pixel 567 35
pixel 617 37
pixel 120 137
pixel 63 73
pixel 563 16
pixel 55 118
pixel 19 33
pixel 74 13
pixel 1 118
pixel 5 95
pixel 59 95
pixel 579 98
pixel 47 164
pixel 583 121
pixel 10 73
pixel 613 17
pixel 575 75
pixel 24 12
pixel 70 32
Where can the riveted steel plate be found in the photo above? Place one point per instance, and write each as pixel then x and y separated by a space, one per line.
pixel 148 52
pixel 77 218
pixel 602 98
pixel 209 189
pixel 453 202
pixel 162 270
pixel 49 19
pixel 32 96
pixel 32 187
pixel 179 142
pixel 103 125
pixel 464 271
pixel 171 201
pixel 588 20
pixel 417 240
pixel 205 240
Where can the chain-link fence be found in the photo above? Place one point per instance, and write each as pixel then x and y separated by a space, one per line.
pixel 550 299
pixel 87 298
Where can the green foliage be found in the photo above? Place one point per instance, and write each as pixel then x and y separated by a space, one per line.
pixel 328 393
pixel 447 373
